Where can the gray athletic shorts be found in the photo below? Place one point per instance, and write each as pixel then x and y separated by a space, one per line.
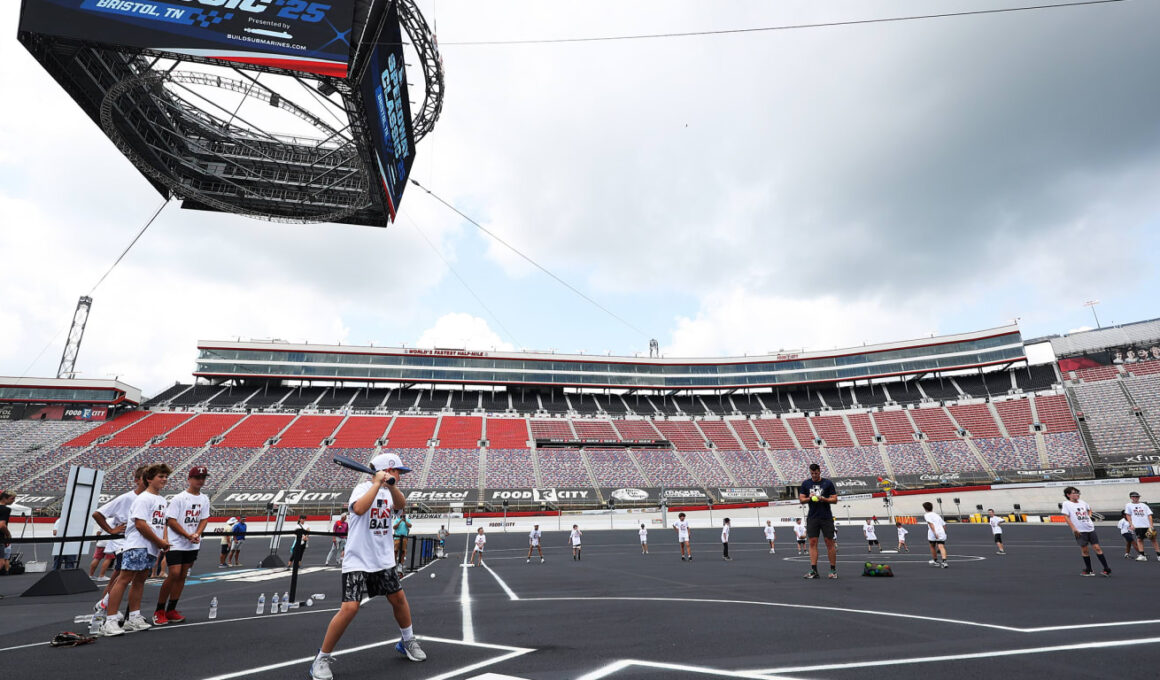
pixel 1086 538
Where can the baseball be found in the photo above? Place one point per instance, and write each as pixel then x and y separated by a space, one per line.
pixel 432 574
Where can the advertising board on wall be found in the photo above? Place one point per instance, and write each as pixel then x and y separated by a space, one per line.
pixel 388 111
pixel 298 35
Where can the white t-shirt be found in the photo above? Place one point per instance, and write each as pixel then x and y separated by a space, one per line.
pixel 1139 512
pixel 995 522
pixel 1080 514
pixel 370 541
pixel 534 536
pixel 768 533
pixel 725 533
pixel 940 527
pixel 189 510
pixel 1124 526
pixel 682 528
pixel 902 533
pixel 643 535
pixel 799 532
pixel 116 512
pixel 480 542
pixel 575 537
pixel 151 508
pixel 869 530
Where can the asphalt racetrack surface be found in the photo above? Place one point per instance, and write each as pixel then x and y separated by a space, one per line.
pixel 619 614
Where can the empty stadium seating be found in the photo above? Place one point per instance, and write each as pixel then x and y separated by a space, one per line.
pixel 1065 449
pixel 1145 391
pixel 454 468
pixel 749 468
pixel 510 468
pixel 308 432
pixel 409 432
pixel 459 432
pixel 1114 428
pixel 975 419
pixel 773 431
pixel 199 430
pixel 934 424
pixel 507 433
pixel 796 463
pixel 22 441
pixel 324 474
pixel 718 432
pixel 1006 454
pixel 1016 416
pixel 856 460
pixel 564 467
pixel 682 433
pixel 612 467
pixel 595 429
pixel 894 426
pixel 360 432
pixel 863 428
pixel 707 469
pixel 952 455
pixel 908 459
pixel 255 431
pixel 636 429
pixel 832 430
pixel 664 468
pixel 802 431
pixel 743 428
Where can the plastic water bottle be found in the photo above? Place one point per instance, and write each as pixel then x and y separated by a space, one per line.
pixel 274 604
pixel 285 601
pixel 261 604
pixel 213 608
pixel 95 624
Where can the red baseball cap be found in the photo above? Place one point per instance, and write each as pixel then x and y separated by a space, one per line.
pixel 199 471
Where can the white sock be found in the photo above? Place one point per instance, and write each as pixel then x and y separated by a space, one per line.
pixel 135 614
pixel 407 633
pixel 321 655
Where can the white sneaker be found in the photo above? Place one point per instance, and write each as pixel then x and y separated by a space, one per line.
pixel 541 560
pixel 136 623
pixel 933 563
pixel 528 561
pixel 1141 558
pixel 411 650
pixel 111 629
pixel 320 669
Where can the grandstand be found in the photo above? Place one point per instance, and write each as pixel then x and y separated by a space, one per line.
pixel 973 423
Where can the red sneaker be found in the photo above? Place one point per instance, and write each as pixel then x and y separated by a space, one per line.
pixel 174 616
pixel 159 618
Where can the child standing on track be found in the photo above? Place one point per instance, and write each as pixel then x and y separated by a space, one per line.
pixel 799 533
pixel 902 532
pixel 574 538
pixel 871 536
pixel 1141 516
pixel 1079 518
pixel 643 540
pixel 997 531
pixel 480 544
pixel 1125 527
pixel 936 535
pixel 113 518
pixel 769 535
pixel 368 568
pixel 143 543
pixel 186 518
pixel 684 532
pixel 534 544
pixel 725 539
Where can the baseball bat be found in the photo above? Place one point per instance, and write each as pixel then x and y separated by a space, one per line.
pixel 353 464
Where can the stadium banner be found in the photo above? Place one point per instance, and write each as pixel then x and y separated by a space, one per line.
pixel 52 412
pixel 296 35
pixel 632 494
pixel 1134 459
pixel 440 496
pixel 542 495
pixel 282 496
pixel 36 501
pixel 944 479
pixel 1045 473
pixel 388 111
pixel 855 484
pixel 750 493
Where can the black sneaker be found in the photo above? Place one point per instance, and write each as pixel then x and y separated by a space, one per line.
pixel 811 574
pixel 1106 572
pixel 1086 572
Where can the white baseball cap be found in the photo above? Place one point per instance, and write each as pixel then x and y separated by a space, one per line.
pixel 388 461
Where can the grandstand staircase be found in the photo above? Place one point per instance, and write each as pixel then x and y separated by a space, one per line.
pixel 426 466
pixel 998 420
pixel 773 464
pixel 318 454
pixel 170 399
pixel 728 472
pixel 253 459
pixel 592 475
pixel 1139 414
pixel 680 456
pixel 481 474
pixel 885 460
pixel 1085 433
pixel 983 465
pixel 535 460
pixel 635 462
pixel 84 450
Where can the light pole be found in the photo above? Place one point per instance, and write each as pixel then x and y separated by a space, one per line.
pixel 1091 304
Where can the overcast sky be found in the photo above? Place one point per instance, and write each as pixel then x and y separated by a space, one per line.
pixel 723 194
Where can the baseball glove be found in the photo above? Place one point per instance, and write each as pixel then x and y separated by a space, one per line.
pixel 1151 533
pixel 69 639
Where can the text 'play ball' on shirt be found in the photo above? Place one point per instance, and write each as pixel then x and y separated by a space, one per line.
pixel 189 510
pixel 151 508
pixel 1080 514
pixel 370 543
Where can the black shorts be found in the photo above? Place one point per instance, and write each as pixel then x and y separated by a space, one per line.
pixel 801 540
pixel 817 526
pixel 176 557
pixel 999 537
pixel 1086 538
pixel 937 543
pixel 297 551
pixel 872 541
pixel 117 561
pixel 359 585
pixel 1141 532
pixel 1129 537
pixel 226 549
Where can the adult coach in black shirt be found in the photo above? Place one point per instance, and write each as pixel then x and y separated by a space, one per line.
pixel 820 493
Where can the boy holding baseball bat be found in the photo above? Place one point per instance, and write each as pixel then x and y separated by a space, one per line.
pixel 368 567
